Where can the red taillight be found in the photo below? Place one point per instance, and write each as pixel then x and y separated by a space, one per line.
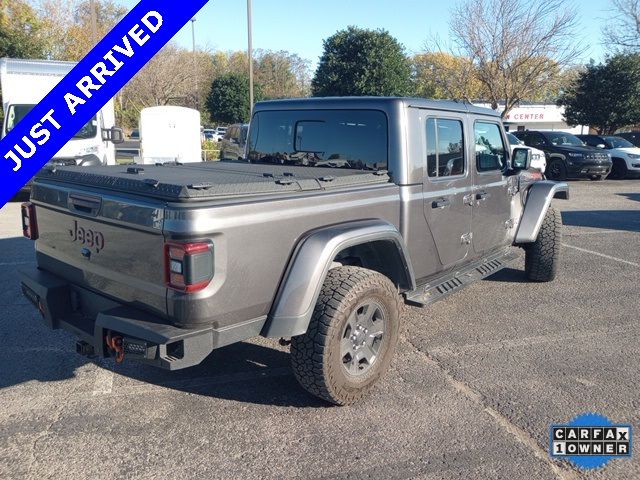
pixel 29 221
pixel 188 266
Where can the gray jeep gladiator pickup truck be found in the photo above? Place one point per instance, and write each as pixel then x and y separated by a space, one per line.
pixel 344 210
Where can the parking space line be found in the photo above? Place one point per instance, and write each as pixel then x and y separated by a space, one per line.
pixel 519 434
pixel 13 264
pixel 598 254
pixel 597 232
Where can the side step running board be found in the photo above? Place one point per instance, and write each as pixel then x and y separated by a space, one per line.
pixel 452 282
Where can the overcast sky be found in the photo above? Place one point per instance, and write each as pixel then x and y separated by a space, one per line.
pixel 300 26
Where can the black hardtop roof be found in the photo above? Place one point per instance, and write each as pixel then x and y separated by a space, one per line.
pixel 382 103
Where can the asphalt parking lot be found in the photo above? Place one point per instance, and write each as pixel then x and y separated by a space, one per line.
pixel 477 381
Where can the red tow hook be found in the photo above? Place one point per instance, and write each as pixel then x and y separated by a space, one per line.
pixel 114 342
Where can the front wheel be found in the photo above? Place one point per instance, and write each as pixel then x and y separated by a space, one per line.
pixel 557 170
pixel 619 169
pixel 543 255
pixel 595 178
pixel 351 337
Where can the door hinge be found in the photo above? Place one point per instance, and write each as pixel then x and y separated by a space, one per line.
pixel 466 238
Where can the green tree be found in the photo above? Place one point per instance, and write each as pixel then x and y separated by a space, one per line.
pixel 20 31
pixel 362 62
pixel 605 96
pixel 228 101
pixel 282 74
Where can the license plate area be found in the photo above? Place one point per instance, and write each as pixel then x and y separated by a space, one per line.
pixel 34 298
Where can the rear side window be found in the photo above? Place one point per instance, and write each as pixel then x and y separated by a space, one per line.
pixel 490 148
pixel 536 140
pixel 354 139
pixel 445 148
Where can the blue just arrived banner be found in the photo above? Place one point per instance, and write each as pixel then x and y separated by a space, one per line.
pixel 88 87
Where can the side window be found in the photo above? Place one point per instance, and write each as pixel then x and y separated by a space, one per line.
pixel 445 148
pixel 594 141
pixel 490 149
pixel 536 140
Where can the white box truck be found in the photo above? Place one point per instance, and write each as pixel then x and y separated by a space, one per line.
pixel 26 82
pixel 170 135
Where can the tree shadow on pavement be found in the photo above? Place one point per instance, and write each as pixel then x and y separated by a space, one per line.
pixel 631 196
pixel 624 220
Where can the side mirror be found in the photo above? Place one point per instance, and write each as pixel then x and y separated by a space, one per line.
pixel 521 159
pixel 114 135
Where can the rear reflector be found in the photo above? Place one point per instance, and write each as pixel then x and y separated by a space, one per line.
pixel 29 221
pixel 188 266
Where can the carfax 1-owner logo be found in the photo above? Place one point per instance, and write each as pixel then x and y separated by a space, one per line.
pixel 590 441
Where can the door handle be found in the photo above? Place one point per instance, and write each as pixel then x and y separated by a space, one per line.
pixel 482 196
pixel 440 203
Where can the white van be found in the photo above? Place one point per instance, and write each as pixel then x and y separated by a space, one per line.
pixel 26 82
pixel 170 135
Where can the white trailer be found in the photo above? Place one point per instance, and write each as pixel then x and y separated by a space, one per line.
pixel 170 134
pixel 26 82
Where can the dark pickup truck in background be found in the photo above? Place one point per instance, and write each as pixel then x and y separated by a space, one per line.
pixel 344 210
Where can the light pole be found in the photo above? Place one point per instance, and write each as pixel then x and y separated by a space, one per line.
pixel 94 22
pixel 250 52
pixel 195 62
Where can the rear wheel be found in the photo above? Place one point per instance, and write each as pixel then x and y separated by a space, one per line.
pixel 557 170
pixel 543 255
pixel 351 337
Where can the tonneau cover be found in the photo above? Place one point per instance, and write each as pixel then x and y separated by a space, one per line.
pixel 203 181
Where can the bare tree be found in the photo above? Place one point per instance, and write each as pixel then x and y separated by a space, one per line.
pixel 517 47
pixel 168 79
pixel 622 31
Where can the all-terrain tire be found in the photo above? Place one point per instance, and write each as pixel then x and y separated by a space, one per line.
pixel 543 255
pixel 316 356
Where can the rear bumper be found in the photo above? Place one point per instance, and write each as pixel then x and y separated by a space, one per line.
pixel 145 337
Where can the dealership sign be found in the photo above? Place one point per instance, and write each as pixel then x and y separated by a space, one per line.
pixel 536 113
pixel 149 26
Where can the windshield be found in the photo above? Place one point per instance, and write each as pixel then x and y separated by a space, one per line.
pixel 18 112
pixel 355 139
pixel 618 142
pixel 562 138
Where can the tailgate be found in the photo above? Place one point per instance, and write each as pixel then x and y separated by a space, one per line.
pixel 112 245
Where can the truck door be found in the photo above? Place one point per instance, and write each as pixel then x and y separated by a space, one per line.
pixel 491 194
pixel 447 187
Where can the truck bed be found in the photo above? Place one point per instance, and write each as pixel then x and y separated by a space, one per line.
pixel 206 181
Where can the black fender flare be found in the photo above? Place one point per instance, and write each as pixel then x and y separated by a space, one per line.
pixel 539 196
pixel 314 256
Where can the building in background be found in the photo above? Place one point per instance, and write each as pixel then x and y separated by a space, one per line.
pixel 538 116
